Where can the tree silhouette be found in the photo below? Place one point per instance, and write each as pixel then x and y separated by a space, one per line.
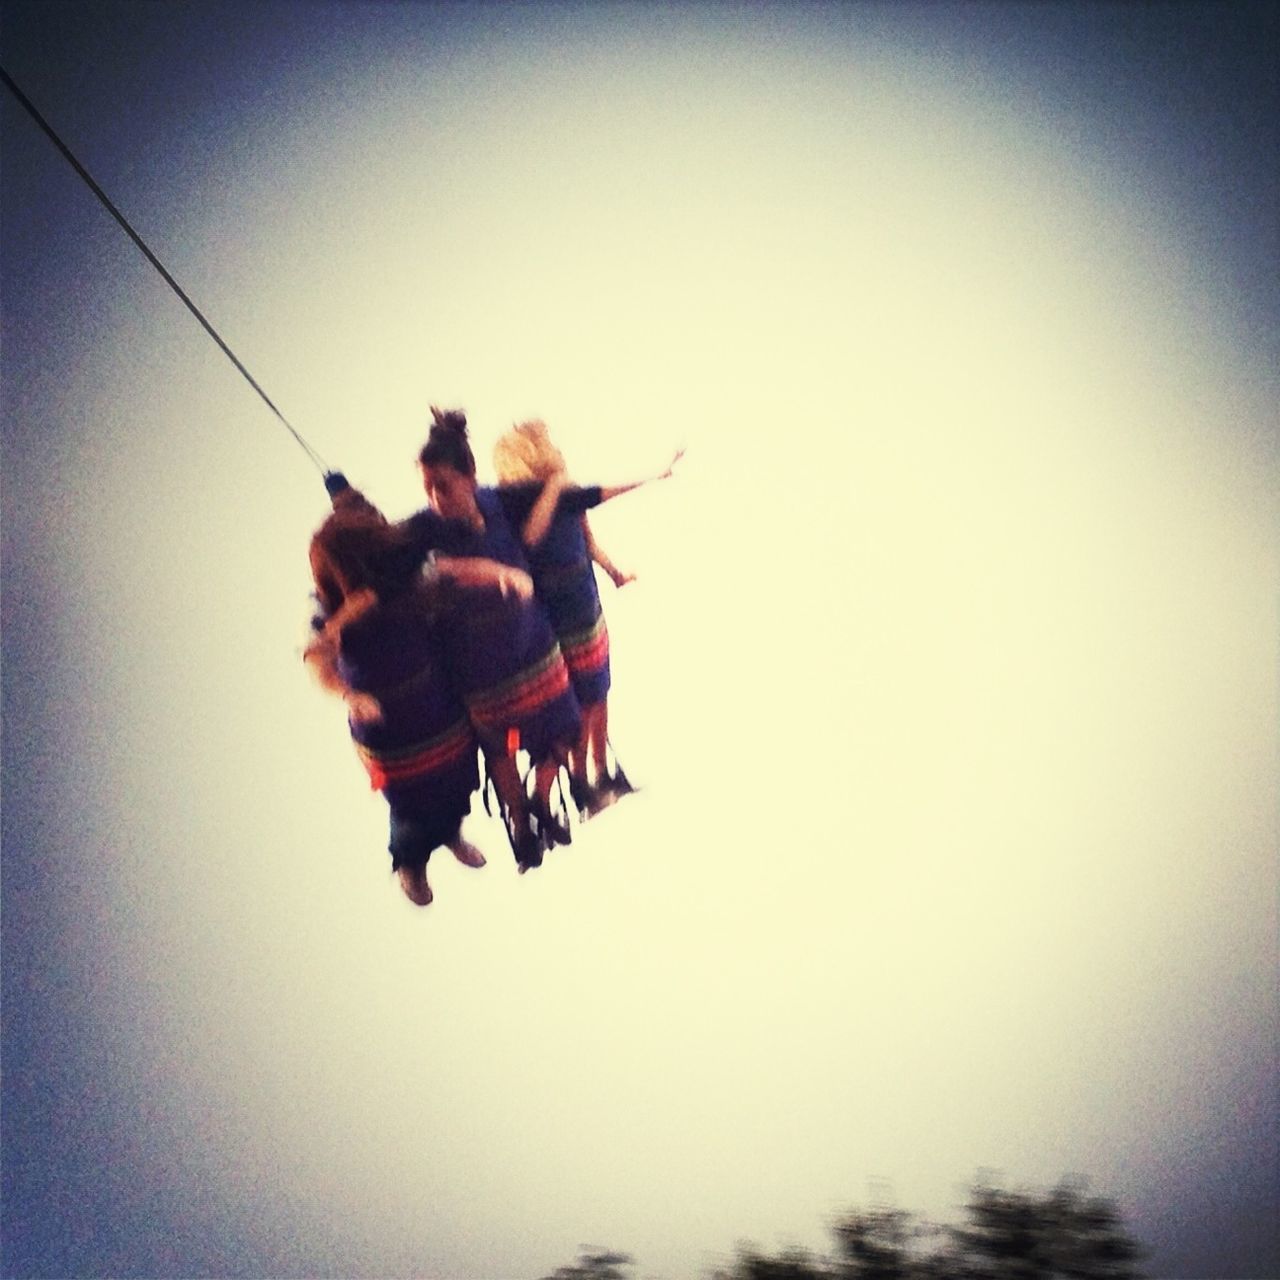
pixel 884 1244
pixel 592 1265
pixel 1019 1236
pixel 1062 1234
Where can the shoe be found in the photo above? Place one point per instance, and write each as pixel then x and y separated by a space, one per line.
pixel 527 847
pixel 413 880
pixel 617 784
pixel 466 853
pixel 551 831
pixel 583 795
pixel 600 799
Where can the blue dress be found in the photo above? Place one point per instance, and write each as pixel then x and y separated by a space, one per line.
pixel 566 584
pixel 422 753
pixel 505 656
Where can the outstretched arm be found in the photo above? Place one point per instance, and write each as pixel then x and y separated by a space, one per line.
pixel 614 491
pixel 558 495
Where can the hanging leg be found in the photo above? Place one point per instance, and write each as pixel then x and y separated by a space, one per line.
pixel 551 830
pixel 588 797
pixel 597 721
pixel 579 758
pixel 413 880
pixel 616 783
pixel 525 844
pixel 410 853
pixel 465 852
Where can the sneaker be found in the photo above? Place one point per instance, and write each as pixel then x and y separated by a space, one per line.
pixel 413 880
pixel 466 853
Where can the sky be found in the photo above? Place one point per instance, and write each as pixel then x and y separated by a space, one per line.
pixel 949 674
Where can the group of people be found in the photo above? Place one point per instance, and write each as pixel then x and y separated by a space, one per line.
pixel 474 624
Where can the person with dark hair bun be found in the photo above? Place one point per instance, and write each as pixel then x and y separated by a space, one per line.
pixel 511 669
pixel 509 666
pixel 378 642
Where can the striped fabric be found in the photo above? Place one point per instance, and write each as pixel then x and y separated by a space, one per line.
pixel 588 650
pixel 504 656
pixel 520 696
pixel 435 755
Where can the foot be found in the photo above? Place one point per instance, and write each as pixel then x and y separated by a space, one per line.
pixel 551 831
pixel 527 847
pixel 466 853
pixel 583 795
pixel 413 880
pixel 617 784
pixel 600 798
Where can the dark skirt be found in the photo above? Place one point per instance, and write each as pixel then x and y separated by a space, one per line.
pixel 514 680
pixel 572 601
pixel 421 754
pixel 506 660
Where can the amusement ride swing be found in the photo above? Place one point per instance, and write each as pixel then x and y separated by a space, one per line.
pixel 335 483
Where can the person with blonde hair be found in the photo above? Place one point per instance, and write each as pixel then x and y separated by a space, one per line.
pixel 562 550
pixel 525 454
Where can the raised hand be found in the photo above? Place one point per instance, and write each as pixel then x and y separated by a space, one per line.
pixel 671 466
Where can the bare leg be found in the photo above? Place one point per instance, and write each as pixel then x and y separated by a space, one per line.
pixel 413 880
pixel 578 761
pixel 465 852
pixel 553 831
pixel 611 786
pixel 596 718
pixel 544 776
pixel 506 780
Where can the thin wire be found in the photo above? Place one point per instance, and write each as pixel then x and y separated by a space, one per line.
pixel 316 459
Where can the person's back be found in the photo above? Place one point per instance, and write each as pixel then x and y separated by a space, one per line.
pixel 378 643
pixel 396 653
pixel 560 559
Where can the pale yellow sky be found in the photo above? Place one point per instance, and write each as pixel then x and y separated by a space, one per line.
pixel 950 674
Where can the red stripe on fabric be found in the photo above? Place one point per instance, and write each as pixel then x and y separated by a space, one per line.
pixel 381 770
pixel 546 690
pixel 527 698
pixel 589 656
pixel 499 695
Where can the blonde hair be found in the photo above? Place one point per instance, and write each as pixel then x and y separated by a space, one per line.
pixel 526 453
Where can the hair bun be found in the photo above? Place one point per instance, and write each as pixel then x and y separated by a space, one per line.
pixel 450 420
